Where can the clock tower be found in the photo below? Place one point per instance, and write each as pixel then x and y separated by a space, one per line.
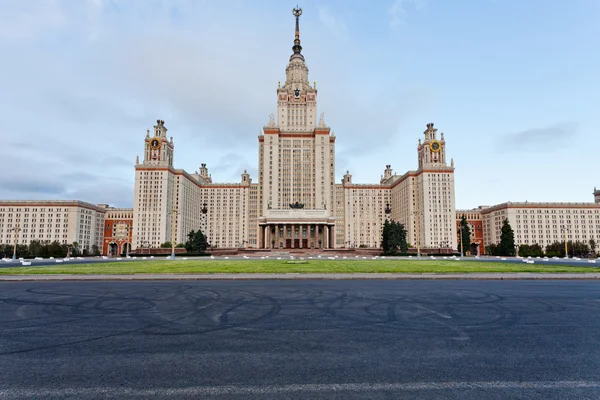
pixel 432 152
pixel 158 150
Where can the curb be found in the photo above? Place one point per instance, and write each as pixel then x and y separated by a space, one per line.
pixel 303 276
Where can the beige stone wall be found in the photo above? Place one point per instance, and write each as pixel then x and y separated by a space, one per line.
pixel 436 189
pixel 340 217
pixel 252 240
pixel 365 214
pixel 153 202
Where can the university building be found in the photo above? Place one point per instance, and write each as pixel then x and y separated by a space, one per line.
pixel 535 223
pixel 295 202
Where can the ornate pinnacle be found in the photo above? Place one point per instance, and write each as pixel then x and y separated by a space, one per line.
pixel 297 13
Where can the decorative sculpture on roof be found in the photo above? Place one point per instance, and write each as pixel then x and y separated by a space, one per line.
pixel 297 205
pixel 271 123
pixel 322 121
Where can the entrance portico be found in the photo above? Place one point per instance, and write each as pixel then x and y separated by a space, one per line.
pixel 296 229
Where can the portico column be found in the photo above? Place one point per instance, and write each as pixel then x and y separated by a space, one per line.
pixel 326 236
pixel 268 236
pixel 260 238
pixel 322 236
pixel 300 234
pixel 331 237
pixel 292 226
pixel 277 236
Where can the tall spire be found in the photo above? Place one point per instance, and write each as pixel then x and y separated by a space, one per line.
pixel 297 48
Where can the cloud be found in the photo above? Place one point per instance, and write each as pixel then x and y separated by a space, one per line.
pixel 399 10
pixel 28 184
pixel 538 140
pixel 84 105
pixel 23 20
pixel 335 24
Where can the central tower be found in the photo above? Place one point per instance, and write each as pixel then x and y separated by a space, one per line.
pixel 296 154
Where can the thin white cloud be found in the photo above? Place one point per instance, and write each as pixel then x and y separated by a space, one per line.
pixel 538 140
pixel 24 20
pixel 334 23
pixel 399 11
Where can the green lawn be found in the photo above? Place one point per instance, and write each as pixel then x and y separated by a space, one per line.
pixel 280 266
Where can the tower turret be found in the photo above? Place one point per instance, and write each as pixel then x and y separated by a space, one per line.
pixel 432 152
pixel 158 150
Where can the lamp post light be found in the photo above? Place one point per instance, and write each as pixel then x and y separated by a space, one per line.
pixel 127 242
pixel 461 241
pixel 174 213
pixel 16 229
pixel 564 229
pixel 417 213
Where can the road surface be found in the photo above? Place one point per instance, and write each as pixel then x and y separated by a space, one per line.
pixel 300 339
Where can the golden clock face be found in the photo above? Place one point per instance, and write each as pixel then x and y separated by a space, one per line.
pixel 155 143
pixel 435 146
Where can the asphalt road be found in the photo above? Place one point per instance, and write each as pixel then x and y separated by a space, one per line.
pixel 300 339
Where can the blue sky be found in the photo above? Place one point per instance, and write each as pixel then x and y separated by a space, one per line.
pixel 514 86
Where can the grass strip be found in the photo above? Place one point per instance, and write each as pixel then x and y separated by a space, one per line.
pixel 207 266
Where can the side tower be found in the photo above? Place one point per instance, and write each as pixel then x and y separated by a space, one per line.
pixel 153 193
pixel 436 210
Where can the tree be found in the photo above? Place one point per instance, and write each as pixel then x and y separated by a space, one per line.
pixel 464 240
pixel 592 244
pixel 578 249
pixel 35 248
pixel 534 250
pixel 55 249
pixel 491 249
pixel 506 247
pixel 393 238
pixel 95 250
pixel 166 245
pixel 75 250
pixel 556 249
pixel 196 242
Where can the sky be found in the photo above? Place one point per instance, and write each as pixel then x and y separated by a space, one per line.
pixel 514 85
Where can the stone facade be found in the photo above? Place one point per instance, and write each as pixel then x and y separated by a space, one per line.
pixel 118 231
pixel 475 221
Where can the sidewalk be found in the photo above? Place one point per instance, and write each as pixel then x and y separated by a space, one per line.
pixel 302 276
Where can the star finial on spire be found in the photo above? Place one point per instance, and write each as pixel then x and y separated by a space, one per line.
pixel 297 13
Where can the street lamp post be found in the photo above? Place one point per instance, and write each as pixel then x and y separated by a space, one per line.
pixel 461 241
pixel 417 213
pixel 174 213
pixel 127 242
pixel 16 229
pixel 564 229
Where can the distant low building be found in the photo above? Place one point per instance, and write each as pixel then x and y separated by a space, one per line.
pixel 65 221
pixel 543 223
